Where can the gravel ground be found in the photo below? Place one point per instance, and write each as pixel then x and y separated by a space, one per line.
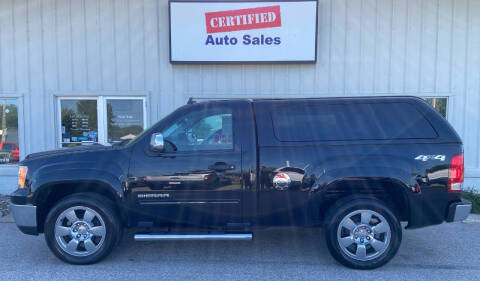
pixel 443 252
pixel 4 205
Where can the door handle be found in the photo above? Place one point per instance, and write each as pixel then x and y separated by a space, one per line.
pixel 221 166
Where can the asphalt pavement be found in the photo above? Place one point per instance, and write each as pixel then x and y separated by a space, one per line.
pixel 443 252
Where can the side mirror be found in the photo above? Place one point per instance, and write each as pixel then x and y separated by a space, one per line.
pixel 157 142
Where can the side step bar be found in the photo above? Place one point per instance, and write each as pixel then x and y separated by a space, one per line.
pixel 180 237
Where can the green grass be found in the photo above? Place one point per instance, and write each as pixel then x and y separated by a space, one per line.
pixel 473 196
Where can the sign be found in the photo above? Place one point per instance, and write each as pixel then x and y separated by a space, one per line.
pixel 4 157
pixel 222 32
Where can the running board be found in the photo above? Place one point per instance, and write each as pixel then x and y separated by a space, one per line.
pixel 180 237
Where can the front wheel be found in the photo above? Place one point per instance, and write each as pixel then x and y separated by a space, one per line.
pixel 362 233
pixel 82 229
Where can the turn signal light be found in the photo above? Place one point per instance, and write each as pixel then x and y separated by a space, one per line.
pixel 22 175
pixel 455 174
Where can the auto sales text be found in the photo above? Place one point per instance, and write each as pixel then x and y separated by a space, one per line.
pixel 246 40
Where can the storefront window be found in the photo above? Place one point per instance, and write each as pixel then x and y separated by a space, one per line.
pixel 9 148
pixel 124 119
pixel 100 120
pixel 79 122
pixel 440 104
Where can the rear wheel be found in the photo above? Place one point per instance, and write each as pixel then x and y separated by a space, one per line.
pixel 82 229
pixel 363 233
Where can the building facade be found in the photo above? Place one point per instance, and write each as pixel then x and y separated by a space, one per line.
pixel 81 71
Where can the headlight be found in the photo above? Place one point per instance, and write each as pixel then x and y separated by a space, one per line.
pixel 22 175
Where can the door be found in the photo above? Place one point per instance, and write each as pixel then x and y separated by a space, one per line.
pixel 197 178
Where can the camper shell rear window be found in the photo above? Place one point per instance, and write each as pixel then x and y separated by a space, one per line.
pixel 307 121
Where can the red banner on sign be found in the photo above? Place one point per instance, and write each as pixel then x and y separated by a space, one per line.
pixel 243 19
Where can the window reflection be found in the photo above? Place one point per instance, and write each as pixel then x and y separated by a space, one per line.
pixel 202 130
pixel 79 122
pixel 9 149
pixel 440 104
pixel 124 119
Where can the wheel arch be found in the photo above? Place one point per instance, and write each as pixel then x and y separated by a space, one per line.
pixel 391 191
pixel 51 193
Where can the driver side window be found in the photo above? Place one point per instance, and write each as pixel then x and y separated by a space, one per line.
pixel 201 130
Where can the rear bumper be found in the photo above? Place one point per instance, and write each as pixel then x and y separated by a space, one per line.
pixel 25 217
pixel 459 211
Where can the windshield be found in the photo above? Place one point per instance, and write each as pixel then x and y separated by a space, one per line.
pixel 8 146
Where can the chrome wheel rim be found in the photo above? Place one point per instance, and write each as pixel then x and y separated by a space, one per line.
pixel 364 235
pixel 80 231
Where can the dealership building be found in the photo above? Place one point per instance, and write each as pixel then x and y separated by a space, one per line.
pixel 79 72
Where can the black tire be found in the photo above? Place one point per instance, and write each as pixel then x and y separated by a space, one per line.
pixel 342 209
pixel 119 236
pixel 103 208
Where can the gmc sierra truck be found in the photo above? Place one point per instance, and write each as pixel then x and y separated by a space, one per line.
pixel 357 167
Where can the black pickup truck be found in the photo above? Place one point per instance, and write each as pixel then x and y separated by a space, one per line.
pixel 355 166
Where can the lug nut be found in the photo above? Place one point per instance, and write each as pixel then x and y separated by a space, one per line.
pixel 368 237
pixel 361 240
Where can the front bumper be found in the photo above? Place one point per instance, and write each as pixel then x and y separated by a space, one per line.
pixel 26 218
pixel 459 211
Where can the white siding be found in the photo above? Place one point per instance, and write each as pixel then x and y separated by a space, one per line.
pixel 365 47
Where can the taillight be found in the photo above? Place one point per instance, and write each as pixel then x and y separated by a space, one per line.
pixel 455 174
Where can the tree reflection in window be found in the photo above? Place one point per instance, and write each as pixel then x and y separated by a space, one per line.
pixel 440 104
pixel 79 122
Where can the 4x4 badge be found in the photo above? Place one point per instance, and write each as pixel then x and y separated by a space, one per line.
pixel 425 158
